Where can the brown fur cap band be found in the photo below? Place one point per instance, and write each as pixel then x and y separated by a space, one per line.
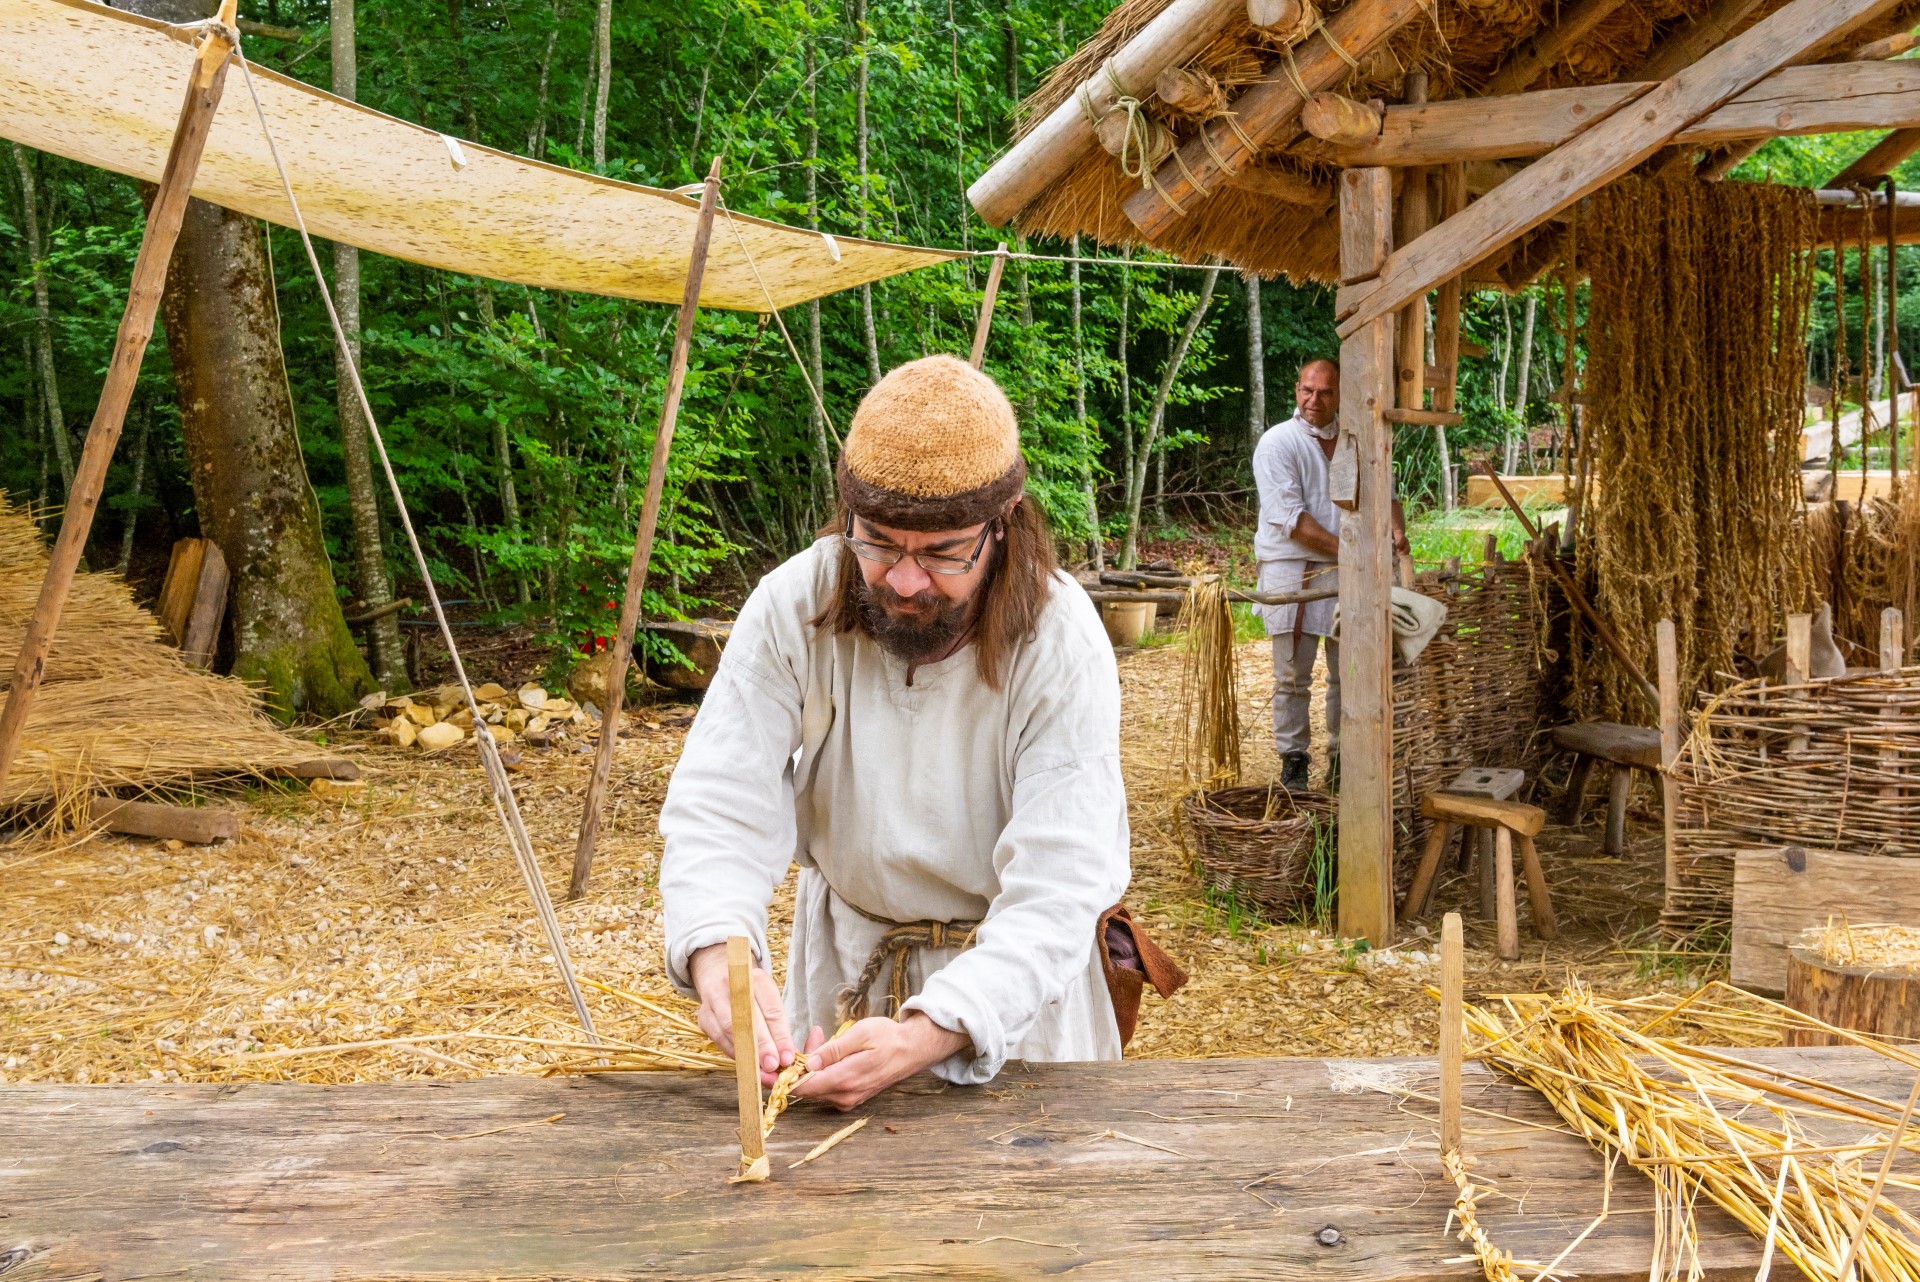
pixel 933 446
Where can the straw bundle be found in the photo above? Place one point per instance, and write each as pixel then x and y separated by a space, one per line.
pixel 1209 699
pixel 1831 765
pixel 1697 318
pixel 1705 1123
pixel 118 707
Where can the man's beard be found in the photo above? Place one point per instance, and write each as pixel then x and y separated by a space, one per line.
pixel 935 624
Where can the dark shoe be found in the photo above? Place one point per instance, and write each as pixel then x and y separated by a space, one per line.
pixel 1293 772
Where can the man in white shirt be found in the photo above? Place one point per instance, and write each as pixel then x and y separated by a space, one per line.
pixel 924 713
pixel 1297 545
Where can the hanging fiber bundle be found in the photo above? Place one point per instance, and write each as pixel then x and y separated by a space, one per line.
pixel 1209 713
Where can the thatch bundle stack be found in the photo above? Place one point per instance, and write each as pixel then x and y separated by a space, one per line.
pixel 119 708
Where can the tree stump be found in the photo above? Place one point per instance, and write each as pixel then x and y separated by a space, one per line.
pixel 1878 1000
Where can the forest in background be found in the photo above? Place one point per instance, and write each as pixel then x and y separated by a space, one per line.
pixel 520 420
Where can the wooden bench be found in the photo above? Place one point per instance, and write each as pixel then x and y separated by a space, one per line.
pixel 1625 749
pixel 1512 822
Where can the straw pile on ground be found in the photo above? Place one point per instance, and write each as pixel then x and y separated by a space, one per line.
pixel 1696 372
pixel 1829 765
pixel 118 708
pixel 1877 947
pixel 1702 1122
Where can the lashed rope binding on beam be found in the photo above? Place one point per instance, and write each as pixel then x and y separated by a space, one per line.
pixel 505 806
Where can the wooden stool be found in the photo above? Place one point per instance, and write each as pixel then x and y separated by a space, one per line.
pixel 1499 783
pixel 1626 749
pixel 1511 821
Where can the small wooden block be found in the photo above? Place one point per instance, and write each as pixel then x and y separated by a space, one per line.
pixel 338 768
pixel 166 823
pixel 1484 812
pixel 1499 783
pixel 1637 746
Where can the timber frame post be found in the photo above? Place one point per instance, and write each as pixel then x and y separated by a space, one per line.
pixel 212 55
pixel 1366 575
pixel 643 538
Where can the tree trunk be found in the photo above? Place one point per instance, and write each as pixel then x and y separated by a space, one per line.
pixel 1256 364
pixel 603 83
pixel 1096 553
pixel 43 320
pixel 249 481
pixel 144 410
pixel 370 581
pixel 860 191
pixel 537 136
pixel 823 490
pixel 1157 415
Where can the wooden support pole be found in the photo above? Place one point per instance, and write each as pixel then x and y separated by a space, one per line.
pixel 1667 655
pixel 1799 648
pixel 1366 578
pixel 643 537
pixel 1893 645
pixel 746 1057
pixel 1894 364
pixel 1410 343
pixel 204 84
pixel 1452 1028
pixel 984 326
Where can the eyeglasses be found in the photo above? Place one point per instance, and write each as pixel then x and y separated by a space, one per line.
pixel 930 562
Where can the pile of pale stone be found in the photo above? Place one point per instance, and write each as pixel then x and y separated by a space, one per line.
pixel 435 720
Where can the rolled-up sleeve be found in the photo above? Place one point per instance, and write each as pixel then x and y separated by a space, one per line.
pixel 1282 499
pixel 728 819
pixel 1061 860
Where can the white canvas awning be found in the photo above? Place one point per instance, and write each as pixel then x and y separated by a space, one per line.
pixel 104 88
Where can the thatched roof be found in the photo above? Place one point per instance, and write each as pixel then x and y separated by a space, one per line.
pixel 1460 44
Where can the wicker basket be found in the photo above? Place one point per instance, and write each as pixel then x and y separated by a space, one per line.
pixel 1258 842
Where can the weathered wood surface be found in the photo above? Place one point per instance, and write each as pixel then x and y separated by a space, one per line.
pixel 1611 741
pixel 400 1181
pixel 1870 1000
pixel 1779 891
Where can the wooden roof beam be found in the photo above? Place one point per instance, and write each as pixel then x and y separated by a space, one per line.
pixel 1600 154
pixel 1882 156
pixel 1266 113
pixel 1066 135
pixel 1827 98
pixel 1694 41
pixel 1538 56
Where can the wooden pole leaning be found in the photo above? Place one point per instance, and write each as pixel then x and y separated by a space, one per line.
pixel 1667 644
pixel 643 538
pixel 984 326
pixel 746 1059
pixel 1452 1025
pixel 1366 575
pixel 204 84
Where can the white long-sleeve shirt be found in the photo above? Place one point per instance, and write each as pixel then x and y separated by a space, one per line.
pixel 1290 471
pixel 942 800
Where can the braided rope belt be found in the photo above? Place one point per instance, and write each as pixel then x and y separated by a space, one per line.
pixel 897 946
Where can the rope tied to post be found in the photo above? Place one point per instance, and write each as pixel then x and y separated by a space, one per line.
pixel 1137 145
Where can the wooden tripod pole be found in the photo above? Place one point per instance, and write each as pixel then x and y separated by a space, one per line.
pixel 123 368
pixel 643 538
pixel 984 325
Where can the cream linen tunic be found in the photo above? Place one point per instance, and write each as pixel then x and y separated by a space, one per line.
pixel 942 800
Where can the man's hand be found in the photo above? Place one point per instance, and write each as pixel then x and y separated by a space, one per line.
pixel 871 1056
pixel 708 968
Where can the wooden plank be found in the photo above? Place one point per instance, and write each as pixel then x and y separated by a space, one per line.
pixel 1452 1027
pixel 175 605
pixel 1366 579
pixel 1066 135
pixel 1266 113
pixel 199 825
pixel 239 1181
pixel 1598 155
pixel 1611 741
pixel 1893 645
pixel 1779 891
pixel 1484 812
pixel 1423 418
pixel 207 609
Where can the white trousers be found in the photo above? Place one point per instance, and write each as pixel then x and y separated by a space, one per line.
pixel 1293 692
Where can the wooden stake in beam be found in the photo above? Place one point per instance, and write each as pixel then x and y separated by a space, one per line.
pixel 746 1058
pixel 1366 578
pixel 1452 1026
pixel 643 537
pixel 204 84
pixel 984 326
pixel 1799 648
pixel 1893 646
pixel 1667 647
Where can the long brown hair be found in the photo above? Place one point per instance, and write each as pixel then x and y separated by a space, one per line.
pixel 1019 581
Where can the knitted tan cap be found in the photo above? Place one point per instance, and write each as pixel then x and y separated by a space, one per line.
pixel 933 446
